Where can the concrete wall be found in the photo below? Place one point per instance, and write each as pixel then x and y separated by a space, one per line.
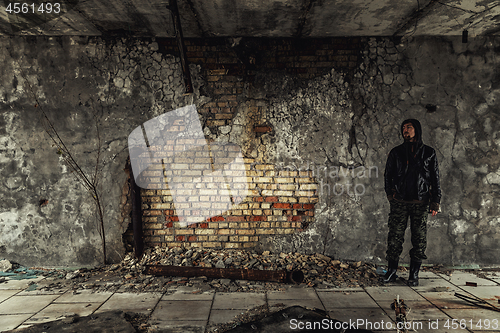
pixel 344 118
pixel 352 121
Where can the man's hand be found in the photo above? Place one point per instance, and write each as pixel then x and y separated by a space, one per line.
pixel 434 208
pixel 392 196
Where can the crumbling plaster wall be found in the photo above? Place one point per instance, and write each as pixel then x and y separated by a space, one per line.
pixel 344 122
pixel 124 83
pixel 347 124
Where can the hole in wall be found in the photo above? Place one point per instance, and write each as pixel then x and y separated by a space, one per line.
pixel 431 108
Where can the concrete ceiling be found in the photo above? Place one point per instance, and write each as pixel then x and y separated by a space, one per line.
pixel 259 18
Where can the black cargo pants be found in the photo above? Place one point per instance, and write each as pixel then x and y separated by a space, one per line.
pixel 398 220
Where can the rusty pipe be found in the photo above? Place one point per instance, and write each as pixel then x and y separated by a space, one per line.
pixel 281 276
pixel 174 10
pixel 135 197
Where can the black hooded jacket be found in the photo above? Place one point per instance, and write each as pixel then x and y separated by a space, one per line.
pixel 411 173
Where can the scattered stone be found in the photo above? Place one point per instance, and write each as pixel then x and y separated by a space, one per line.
pixel 251 263
pixel 225 281
pixel 5 265
pixel 114 267
pixel 188 253
pixel 356 264
pixel 323 257
pixel 72 275
pixel 220 264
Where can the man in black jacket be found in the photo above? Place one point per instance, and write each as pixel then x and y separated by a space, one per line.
pixel 412 188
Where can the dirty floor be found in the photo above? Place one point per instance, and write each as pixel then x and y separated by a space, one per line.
pixel 433 305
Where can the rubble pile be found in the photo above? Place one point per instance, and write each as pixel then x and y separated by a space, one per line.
pixel 127 276
pixel 318 269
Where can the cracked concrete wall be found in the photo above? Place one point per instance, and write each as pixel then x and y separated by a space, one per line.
pixel 346 124
pixel 340 124
pixel 46 216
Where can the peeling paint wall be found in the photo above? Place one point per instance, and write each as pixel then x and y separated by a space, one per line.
pixel 340 123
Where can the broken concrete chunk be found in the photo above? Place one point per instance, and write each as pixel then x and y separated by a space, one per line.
pixel 5 265
pixel 72 275
pixel 220 264
pixel 356 264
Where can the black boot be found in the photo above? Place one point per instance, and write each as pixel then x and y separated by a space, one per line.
pixel 390 276
pixel 414 268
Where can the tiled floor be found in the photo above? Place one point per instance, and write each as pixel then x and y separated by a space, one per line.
pixel 433 305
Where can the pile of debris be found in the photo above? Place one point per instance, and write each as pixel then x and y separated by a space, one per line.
pixel 128 275
pixel 318 269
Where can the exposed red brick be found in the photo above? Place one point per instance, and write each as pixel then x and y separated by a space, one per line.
pixel 271 199
pixel 257 218
pixel 180 238
pixel 308 206
pixel 282 205
pixel 203 225
pixel 169 224
pixel 217 219
pixel 192 238
pixel 172 219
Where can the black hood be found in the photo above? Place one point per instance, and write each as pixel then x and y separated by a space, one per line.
pixel 416 126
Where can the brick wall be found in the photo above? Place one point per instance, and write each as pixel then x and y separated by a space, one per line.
pixel 263 201
pixel 190 206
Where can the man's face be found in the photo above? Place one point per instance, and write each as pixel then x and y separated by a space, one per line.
pixel 409 132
